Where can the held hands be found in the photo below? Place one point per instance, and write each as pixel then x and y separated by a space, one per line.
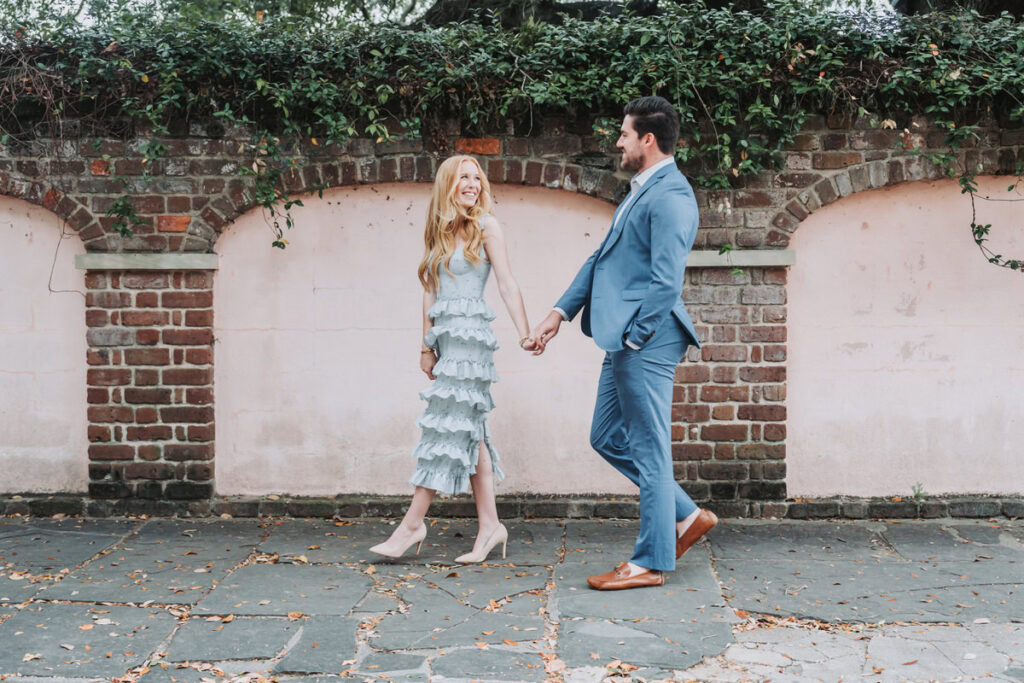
pixel 543 333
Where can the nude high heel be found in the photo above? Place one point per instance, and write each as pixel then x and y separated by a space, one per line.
pixel 499 535
pixel 386 551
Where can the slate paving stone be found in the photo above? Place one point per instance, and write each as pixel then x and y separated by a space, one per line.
pixel 490 664
pixel 789 542
pixel 444 610
pixel 44 547
pixel 338 541
pixel 197 672
pixel 873 590
pixel 387 662
pixel 241 638
pixel 951 542
pixel 580 640
pixel 131 635
pixel 310 589
pixel 324 645
pixel 600 542
pixel 166 561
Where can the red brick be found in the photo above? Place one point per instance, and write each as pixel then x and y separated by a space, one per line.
pixel 147 299
pixel 201 432
pixel 202 471
pixel 686 412
pixel 723 412
pixel 689 373
pixel 173 223
pixel 724 353
pixel 110 452
pixel 725 451
pixel 762 412
pixel 98 433
pixel 147 356
pixel 144 280
pixel 157 395
pixel 145 415
pixel 186 414
pixel 110 414
pixel 149 451
pixel 834 160
pixel 148 470
pixel 147 337
pixel 199 356
pixel 97 396
pixel 95 280
pixel 714 394
pixel 774 432
pixel 733 471
pixel 188 337
pixel 149 433
pixel 724 374
pixel 146 377
pixel 107 377
pixel 140 318
pixel 763 333
pixel 179 452
pixel 723 432
pixel 198 299
pixel 188 376
pixel 774 353
pixel 488 146
pixel 99 167
pixel 97 356
pixel 763 374
pixel 96 317
pixel 108 300
pixel 199 396
pixel 691 451
pixel 199 318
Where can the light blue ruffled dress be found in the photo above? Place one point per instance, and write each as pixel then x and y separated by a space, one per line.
pixel 455 420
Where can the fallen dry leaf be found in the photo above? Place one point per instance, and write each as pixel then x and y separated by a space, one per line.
pixel 294 616
pixel 29 656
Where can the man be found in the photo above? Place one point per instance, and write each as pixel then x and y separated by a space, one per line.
pixel 629 292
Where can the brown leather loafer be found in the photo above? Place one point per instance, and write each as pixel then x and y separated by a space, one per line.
pixel 704 523
pixel 620 579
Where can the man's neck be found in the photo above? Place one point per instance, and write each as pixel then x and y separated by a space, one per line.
pixel 653 161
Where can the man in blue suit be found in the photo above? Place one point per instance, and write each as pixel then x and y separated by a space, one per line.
pixel 630 293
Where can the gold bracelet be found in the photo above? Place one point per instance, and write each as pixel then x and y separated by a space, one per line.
pixel 427 350
pixel 522 340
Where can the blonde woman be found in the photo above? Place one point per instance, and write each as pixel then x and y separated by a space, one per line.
pixel 463 243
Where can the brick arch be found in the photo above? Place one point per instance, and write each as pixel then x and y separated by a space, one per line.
pixel 510 161
pixel 812 191
pixel 67 208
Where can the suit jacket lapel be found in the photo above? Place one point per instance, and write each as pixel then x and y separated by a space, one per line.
pixel 617 227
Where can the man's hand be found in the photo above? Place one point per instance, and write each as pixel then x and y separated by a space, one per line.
pixel 545 331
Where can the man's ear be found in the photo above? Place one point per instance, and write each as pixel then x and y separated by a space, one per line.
pixel 649 139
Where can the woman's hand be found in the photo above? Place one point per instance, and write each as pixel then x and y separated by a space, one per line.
pixel 427 362
pixel 528 343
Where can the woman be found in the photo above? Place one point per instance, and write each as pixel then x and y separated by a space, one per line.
pixel 463 243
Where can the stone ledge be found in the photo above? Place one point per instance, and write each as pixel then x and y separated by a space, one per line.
pixel 143 261
pixel 524 506
pixel 743 258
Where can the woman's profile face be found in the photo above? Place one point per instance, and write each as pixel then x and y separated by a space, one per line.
pixel 467 184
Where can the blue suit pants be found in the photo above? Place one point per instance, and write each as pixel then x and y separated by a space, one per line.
pixel 632 431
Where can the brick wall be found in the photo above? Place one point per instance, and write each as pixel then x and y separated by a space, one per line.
pixel 150 392
pixel 150 384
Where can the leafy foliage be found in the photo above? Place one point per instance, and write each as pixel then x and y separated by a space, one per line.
pixel 744 82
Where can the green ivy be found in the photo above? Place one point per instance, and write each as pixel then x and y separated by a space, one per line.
pixel 745 83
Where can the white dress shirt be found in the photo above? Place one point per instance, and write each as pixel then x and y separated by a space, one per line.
pixel 635 183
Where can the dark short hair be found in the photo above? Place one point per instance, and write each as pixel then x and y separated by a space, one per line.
pixel 655 115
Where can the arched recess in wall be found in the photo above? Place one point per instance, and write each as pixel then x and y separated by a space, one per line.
pixel 317 353
pixel 904 346
pixel 43 439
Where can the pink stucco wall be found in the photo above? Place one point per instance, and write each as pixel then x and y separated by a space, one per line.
pixel 317 350
pixel 42 367
pixel 905 346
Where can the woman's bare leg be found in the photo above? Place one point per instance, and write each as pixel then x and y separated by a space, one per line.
pixel 410 525
pixel 483 494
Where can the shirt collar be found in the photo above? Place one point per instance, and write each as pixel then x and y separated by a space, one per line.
pixel 641 178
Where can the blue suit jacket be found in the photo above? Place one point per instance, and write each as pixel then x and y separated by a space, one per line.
pixel 634 280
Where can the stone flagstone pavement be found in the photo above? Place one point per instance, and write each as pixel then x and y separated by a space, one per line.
pixel 304 600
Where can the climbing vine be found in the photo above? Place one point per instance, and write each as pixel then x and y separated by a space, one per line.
pixel 745 83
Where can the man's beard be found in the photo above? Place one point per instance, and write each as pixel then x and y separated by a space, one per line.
pixel 631 163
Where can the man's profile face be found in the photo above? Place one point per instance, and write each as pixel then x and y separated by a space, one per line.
pixel 631 145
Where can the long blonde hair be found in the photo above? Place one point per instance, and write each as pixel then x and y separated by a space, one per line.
pixel 447 219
